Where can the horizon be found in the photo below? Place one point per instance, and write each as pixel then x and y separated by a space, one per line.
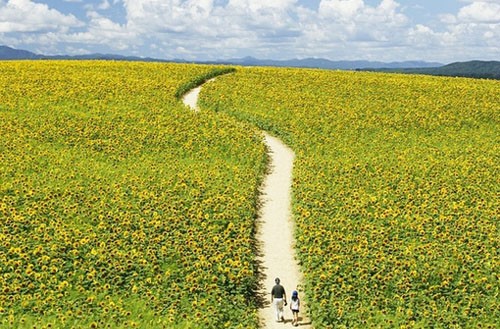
pixel 252 57
pixel 208 30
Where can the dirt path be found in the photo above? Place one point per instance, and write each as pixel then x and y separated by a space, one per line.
pixel 191 98
pixel 275 229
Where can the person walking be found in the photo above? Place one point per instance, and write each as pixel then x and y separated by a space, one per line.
pixel 294 307
pixel 278 298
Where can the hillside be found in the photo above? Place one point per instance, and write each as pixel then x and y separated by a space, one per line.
pixel 394 190
pixel 119 200
pixel 122 208
pixel 471 69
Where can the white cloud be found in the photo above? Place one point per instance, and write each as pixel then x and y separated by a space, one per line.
pixel 203 17
pixel 448 19
pixel 424 37
pixel 357 10
pixel 101 30
pixel 261 14
pixel 481 11
pixel 342 9
pixel 211 29
pixel 147 16
pixel 469 34
pixel 355 21
pixel 475 23
pixel 104 5
pixel 28 16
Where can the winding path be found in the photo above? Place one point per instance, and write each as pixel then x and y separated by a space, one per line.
pixel 275 228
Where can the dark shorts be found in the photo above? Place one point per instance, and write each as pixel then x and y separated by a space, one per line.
pixel 295 311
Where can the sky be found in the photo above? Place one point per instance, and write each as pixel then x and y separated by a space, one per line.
pixel 442 31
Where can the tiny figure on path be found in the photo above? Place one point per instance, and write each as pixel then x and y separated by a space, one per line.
pixel 278 298
pixel 294 307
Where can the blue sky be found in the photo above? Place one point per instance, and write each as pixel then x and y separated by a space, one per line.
pixel 386 30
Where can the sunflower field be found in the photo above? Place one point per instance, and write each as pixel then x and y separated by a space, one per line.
pixel 395 193
pixel 119 207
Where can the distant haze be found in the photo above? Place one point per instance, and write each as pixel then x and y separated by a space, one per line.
pixel 11 53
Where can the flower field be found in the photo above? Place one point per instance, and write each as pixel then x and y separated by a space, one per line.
pixel 119 207
pixel 396 186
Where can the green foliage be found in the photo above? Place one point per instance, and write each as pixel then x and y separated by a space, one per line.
pixel 201 79
pixel 120 207
pixel 395 191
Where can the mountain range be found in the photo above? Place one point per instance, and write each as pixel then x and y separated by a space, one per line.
pixel 327 64
pixel 476 69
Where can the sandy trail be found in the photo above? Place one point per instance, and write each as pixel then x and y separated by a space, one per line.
pixel 275 233
pixel 191 98
pixel 274 229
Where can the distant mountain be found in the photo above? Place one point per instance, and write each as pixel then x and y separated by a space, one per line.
pixel 11 53
pixel 325 63
pixel 470 69
pixel 107 57
pixel 8 53
pixel 473 69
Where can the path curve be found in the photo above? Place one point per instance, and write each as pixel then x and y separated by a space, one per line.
pixel 274 228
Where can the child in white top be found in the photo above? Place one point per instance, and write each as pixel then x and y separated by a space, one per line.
pixel 294 306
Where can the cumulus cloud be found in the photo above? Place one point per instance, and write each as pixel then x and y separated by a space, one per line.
pixel 424 37
pixel 207 27
pixel 268 28
pixel 476 23
pixel 355 21
pixel 261 14
pixel 151 16
pixel 342 9
pixel 211 29
pixel 104 5
pixel 481 11
pixel 28 16
pixel 204 18
pixel 103 31
pixel 469 33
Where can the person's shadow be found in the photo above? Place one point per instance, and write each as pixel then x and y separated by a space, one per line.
pixel 308 323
